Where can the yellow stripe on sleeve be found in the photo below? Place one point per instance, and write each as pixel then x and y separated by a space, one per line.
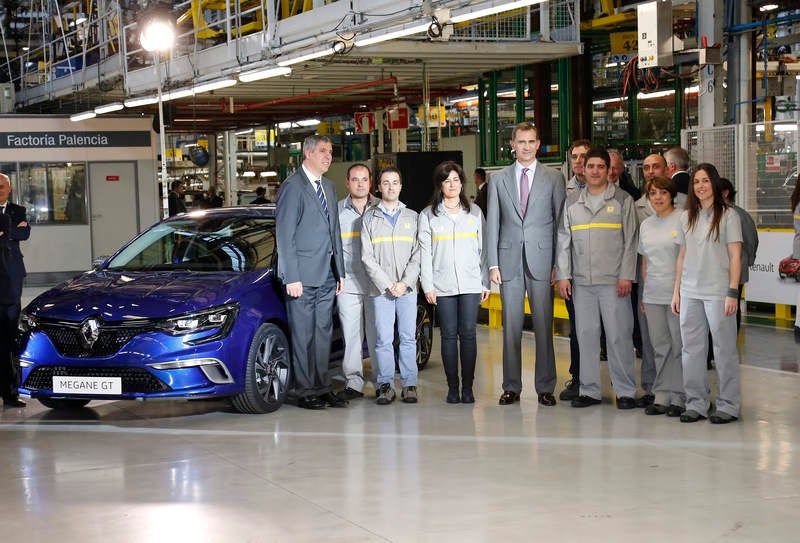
pixel 350 234
pixel 604 225
pixel 390 239
pixel 462 235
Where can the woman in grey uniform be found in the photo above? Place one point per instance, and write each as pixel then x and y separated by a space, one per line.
pixel 454 274
pixel 706 296
pixel 796 249
pixel 659 252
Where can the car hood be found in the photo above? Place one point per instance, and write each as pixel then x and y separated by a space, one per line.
pixel 117 296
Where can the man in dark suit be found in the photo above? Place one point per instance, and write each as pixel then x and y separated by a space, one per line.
pixel 175 198
pixel 311 266
pixel 480 195
pixel 677 160
pixel 13 229
pixel 525 202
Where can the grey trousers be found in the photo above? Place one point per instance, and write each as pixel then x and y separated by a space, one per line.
pixel 540 297
pixel 357 317
pixel 648 369
pixel 665 337
pixel 592 302
pixel 697 316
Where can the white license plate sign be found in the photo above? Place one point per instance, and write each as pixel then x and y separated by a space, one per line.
pixel 87 385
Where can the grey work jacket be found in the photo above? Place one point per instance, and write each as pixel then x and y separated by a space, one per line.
pixel 350 225
pixel 390 253
pixel 452 255
pixel 598 246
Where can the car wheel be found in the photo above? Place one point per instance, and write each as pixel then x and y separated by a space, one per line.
pixel 424 334
pixel 62 403
pixel 268 372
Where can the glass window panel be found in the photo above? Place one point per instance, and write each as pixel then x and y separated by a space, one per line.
pixel 53 192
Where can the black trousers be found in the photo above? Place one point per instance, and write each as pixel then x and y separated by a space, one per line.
pixel 458 316
pixel 9 375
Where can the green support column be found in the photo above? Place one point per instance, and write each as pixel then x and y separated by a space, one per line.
pixel 633 115
pixel 482 132
pixel 564 106
pixel 678 109
pixel 519 82
pixel 492 97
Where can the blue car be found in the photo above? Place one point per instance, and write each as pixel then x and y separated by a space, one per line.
pixel 190 308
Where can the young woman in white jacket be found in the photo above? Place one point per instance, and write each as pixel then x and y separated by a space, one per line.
pixel 453 274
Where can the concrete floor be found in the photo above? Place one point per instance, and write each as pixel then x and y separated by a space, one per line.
pixel 197 471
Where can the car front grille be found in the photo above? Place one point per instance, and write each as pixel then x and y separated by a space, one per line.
pixel 133 379
pixel 68 342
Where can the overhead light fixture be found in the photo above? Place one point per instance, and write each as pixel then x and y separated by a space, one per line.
pixel 82 116
pixel 141 101
pixel 243 132
pixel 177 94
pixel 492 8
pixel 108 108
pixel 26 48
pixel 158 35
pixel 379 36
pixel 327 51
pixel 249 173
pixel 81 18
pixel 308 122
pixel 285 126
pixel 214 85
pixel 269 174
pixel 768 7
pixel 264 73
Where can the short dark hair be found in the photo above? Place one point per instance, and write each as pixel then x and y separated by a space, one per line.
pixel 358 165
pixel 175 184
pixel 579 143
pixel 260 191
pixel 727 185
pixel 390 169
pixel 480 172
pixel 524 127
pixel 662 182
pixel 599 152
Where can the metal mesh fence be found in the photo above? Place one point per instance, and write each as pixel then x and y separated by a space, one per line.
pixel 557 20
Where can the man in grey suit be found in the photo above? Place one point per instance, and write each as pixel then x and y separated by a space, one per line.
pixel 525 202
pixel 311 266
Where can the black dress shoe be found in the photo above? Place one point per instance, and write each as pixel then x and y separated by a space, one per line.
pixel 585 401
pixel 452 395
pixel 691 416
pixel 655 409
pixel 645 400
pixel 721 417
pixel 332 400
pixel 675 410
pixel 466 395
pixel 547 398
pixel 572 389
pixel 13 402
pixel 311 402
pixel 508 397
pixel 350 394
pixel 625 402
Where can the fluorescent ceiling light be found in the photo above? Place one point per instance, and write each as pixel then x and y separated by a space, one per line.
pixel 243 132
pixel 108 108
pixel 176 94
pixel 308 122
pixel 269 174
pixel 768 7
pixel 496 6
pixel 141 101
pixel 308 56
pixel 284 126
pixel 214 85
pixel 249 173
pixel 264 73
pixel 381 36
pixel 645 96
pixel 82 116
pixel 26 48
pixel 778 127
pixel 80 19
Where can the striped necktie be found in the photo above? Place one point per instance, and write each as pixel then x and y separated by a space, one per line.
pixel 321 196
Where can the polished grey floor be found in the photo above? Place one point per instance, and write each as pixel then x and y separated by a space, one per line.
pixel 197 471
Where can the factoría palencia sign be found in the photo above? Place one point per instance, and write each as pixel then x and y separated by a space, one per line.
pixel 52 140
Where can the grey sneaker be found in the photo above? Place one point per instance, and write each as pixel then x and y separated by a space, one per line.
pixel 386 394
pixel 409 395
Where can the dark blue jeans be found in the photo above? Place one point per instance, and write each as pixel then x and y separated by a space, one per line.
pixel 458 317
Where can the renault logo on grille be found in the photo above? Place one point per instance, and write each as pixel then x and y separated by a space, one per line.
pixel 89 332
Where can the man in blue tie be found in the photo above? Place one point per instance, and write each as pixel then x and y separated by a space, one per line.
pixel 311 266
pixel 13 229
pixel 524 204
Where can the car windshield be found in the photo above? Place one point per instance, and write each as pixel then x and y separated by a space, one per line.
pixel 201 243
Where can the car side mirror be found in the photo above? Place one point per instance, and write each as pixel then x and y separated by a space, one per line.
pixel 99 262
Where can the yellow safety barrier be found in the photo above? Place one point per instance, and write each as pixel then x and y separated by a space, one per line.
pixel 495 307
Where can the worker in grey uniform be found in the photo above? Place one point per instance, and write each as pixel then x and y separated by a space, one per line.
pixel 597 243
pixel 659 257
pixel 390 252
pixel 706 296
pixel 356 313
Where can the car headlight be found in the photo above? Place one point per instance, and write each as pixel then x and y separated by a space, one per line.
pixel 219 318
pixel 27 322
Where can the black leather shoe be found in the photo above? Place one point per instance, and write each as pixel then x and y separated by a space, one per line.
pixel 452 395
pixel 547 398
pixel 655 409
pixel 466 395
pixel 797 334
pixel 311 402
pixel 645 400
pixel 584 401
pixel 625 402
pixel 572 389
pixel 13 402
pixel 332 400
pixel 691 416
pixel 508 397
pixel 350 394
pixel 721 417
pixel 675 410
